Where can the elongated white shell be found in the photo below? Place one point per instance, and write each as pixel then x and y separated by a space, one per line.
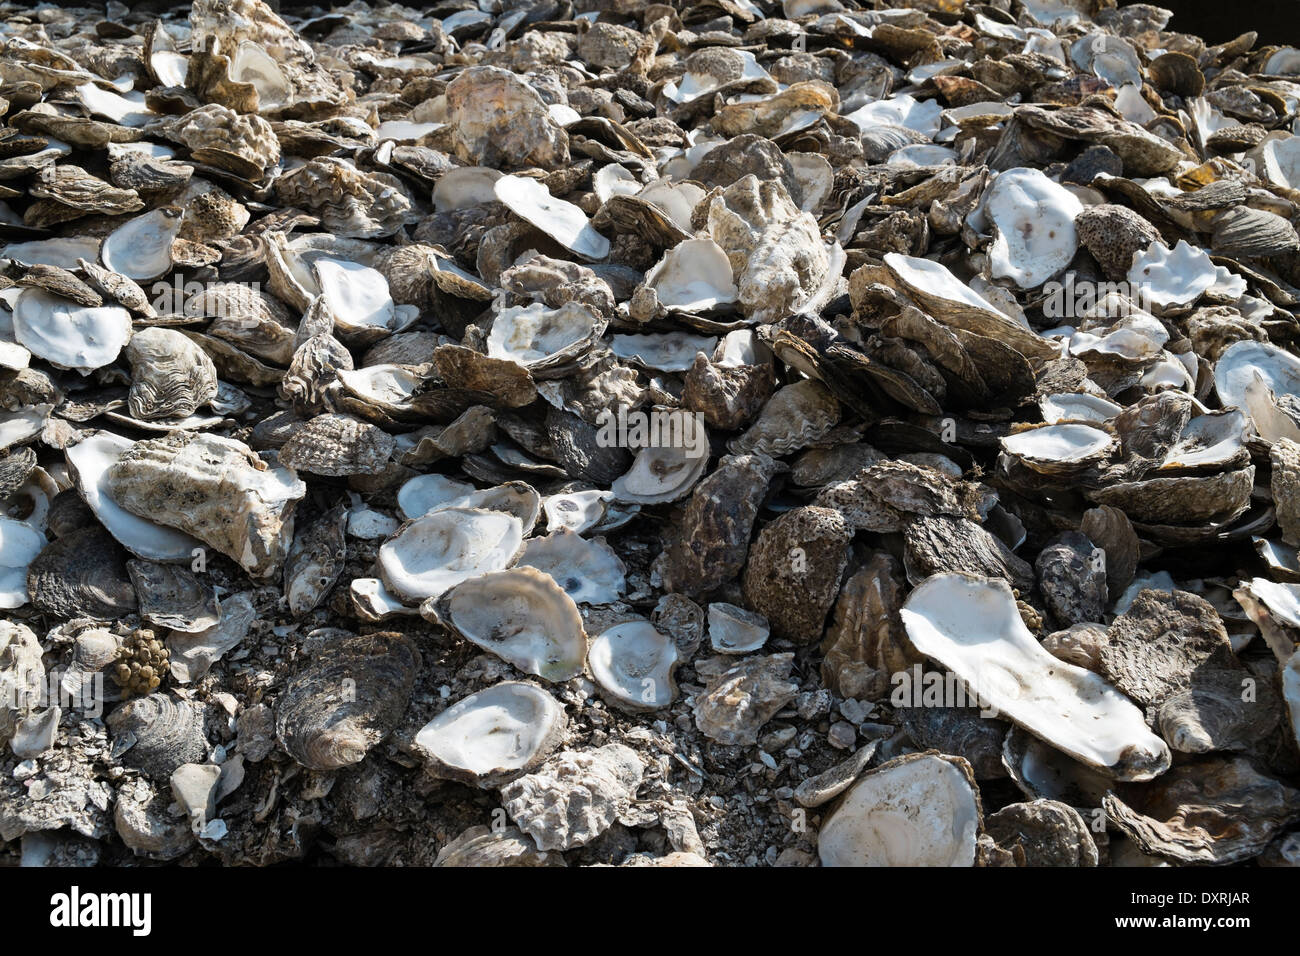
pixel 562 221
pixel 971 626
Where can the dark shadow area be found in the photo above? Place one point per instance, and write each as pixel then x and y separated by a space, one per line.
pixel 1276 21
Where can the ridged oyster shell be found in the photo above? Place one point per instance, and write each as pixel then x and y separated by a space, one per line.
pixel 346 698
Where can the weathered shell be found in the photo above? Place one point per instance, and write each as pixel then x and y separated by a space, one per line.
pixel 776 251
pixel 739 699
pixel 214 488
pixel 315 560
pixel 350 202
pixel 575 796
pixel 22 676
pixel 794 570
pixel 337 445
pixel 1046 832
pixel 171 377
pixel 918 810
pixel 158 733
pixel 865 641
pixel 82 574
pixel 346 698
pixel 173 597
pixel 522 616
pixel 498 120
pixel 439 550
pixel 1218 811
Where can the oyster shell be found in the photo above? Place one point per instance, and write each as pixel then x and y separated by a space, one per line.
pixel 522 616
pixel 214 488
pixel 575 796
pixel 441 549
pixel 347 697
pixel 633 664
pixel 158 733
pixel 918 810
pixel 171 377
pixel 494 736
pixel 956 618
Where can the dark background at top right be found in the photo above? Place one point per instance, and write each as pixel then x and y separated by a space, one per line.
pixel 1276 21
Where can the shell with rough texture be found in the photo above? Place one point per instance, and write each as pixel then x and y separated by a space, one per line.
pixel 708 546
pixel 499 120
pixel 158 733
pixel 315 560
pixel 740 698
pixel 575 796
pixel 22 676
pixel 214 488
pixel 171 377
pixel 174 597
pixel 338 445
pixel 865 641
pixel 348 696
pixel 82 574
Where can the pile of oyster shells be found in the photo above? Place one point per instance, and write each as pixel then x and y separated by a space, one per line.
pixel 571 432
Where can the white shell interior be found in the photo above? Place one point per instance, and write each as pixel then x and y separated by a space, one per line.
pixel 588 570
pixel 88 463
pixel 734 630
pixel 634 664
pixel 971 626
pixel 67 334
pixel 523 617
pixel 1035 226
pixel 498 730
pixel 440 550
pixel 918 812
pixel 562 221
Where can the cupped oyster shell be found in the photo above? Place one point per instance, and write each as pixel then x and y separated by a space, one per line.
pixel 494 736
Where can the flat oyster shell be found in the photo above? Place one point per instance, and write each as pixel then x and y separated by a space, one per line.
pixel 338 445
pixel 522 616
pixel 158 733
pixel 347 697
pixel 439 550
pixel 590 571
pixel 82 574
pixel 214 488
pixel 173 597
pixel 918 810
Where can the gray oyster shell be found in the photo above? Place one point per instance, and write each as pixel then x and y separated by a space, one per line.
pixel 347 697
